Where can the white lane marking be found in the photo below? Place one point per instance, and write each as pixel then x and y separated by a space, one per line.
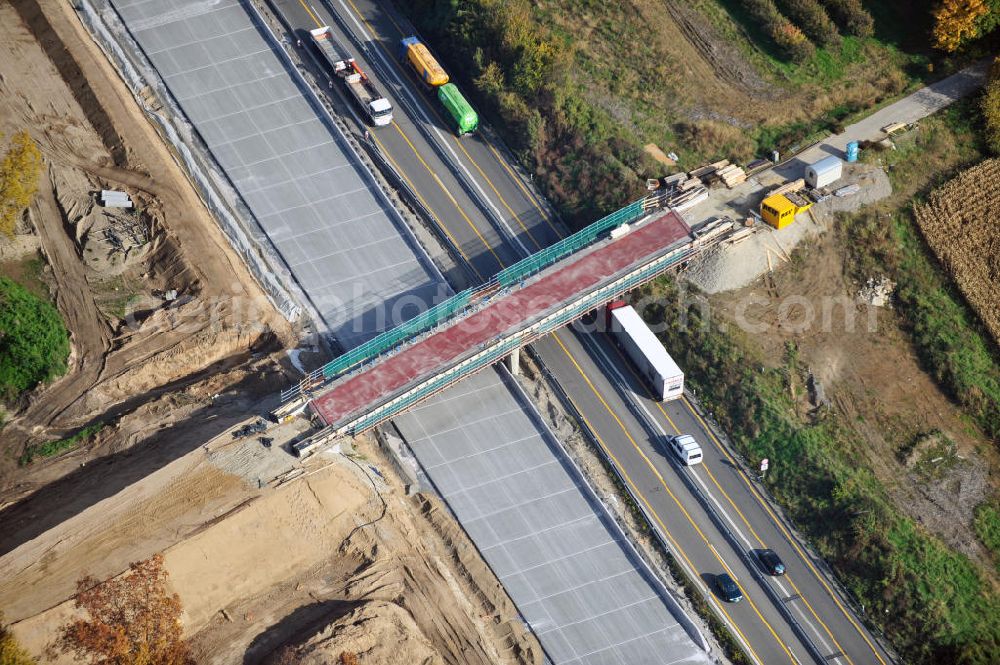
pixel 414 105
pixel 612 369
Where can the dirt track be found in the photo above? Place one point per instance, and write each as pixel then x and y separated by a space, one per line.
pixel 257 566
pixel 92 135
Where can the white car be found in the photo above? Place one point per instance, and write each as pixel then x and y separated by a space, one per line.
pixel 686 448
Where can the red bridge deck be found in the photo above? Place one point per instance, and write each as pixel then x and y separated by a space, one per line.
pixel 542 293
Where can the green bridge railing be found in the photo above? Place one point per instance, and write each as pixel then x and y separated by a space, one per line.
pixel 458 304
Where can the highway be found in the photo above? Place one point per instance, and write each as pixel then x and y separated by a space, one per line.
pixel 490 214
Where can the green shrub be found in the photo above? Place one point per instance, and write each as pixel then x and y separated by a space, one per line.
pixel 52 448
pixel 784 33
pixel 812 19
pixel 851 16
pixel 991 108
pixel 987 525
pixel 34 343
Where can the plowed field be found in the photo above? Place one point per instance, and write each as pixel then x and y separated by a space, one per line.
pixel 961 223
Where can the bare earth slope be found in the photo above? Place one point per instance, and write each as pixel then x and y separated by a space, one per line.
pixel 129 345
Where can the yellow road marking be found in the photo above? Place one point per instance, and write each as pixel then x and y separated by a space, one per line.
pixel 433 175
pixel 420 198
pixel 788 536
pixel 548 220
pixel 527 194
pixel 663 483
pixel 449 195
pixel 441 120
pixel 663 527
pixel 732 503
pixel 310 12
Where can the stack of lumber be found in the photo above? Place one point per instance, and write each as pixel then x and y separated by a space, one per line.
pixel 732 175
pixel 793 186
pixel 722 171
pixel 679 192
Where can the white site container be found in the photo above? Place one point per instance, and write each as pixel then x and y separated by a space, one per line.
pixel 824 172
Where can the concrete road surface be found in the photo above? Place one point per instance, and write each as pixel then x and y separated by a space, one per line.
pixel 913 107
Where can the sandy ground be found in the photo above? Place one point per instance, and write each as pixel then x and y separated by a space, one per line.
pixel 736 265
pixel 128 344
pixel 290 565
pixel 268 555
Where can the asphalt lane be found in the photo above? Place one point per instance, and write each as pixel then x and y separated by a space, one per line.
pixel 509 202
pixel 676 512
pixel 733 497
pixel 495 218
pixel 435 182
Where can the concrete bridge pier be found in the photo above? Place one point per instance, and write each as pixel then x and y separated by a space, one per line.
pixel 514 361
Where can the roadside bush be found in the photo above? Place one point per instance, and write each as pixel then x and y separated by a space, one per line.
pixel 810 16
pixel 34 344
pixel 53 448
pixel 991 108
pixel 851 16
pixel 791 40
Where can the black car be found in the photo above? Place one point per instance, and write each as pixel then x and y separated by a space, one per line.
pixel 728 588
pixel 771 563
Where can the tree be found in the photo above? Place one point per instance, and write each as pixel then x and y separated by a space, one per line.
pixel 34 343
pixel 132 620
pixel 19 173
pixel 12 653
pixel 956 21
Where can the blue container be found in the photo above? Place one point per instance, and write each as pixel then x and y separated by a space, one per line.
pixel 852 151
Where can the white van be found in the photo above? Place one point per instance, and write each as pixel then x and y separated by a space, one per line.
pixel 686 448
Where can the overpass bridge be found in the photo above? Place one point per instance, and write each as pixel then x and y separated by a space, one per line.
pixel 477 327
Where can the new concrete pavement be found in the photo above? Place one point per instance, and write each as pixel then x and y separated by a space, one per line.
pixel 495 218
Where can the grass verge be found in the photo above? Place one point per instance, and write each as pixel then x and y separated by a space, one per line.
pixel 52 448
pixel 932 602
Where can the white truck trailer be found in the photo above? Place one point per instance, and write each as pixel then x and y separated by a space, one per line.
pixel 359 86
pixel 642 347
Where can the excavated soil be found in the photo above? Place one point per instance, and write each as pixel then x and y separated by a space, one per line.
pixel 108 269
pixel 339 559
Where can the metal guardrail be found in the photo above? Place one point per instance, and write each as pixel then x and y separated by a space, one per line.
pixel 746 554
pixel 496 352
pixel 460 303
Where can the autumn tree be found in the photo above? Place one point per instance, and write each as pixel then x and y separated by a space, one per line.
pixel 19 171
pixel 132 620
pixel 955 21
pixel 12 653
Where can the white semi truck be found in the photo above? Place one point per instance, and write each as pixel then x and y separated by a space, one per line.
pixel 642 347
pixel 359 86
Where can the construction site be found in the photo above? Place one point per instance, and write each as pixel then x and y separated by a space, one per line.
pixel 328 474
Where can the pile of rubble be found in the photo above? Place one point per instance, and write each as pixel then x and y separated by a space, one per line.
pixel 877 291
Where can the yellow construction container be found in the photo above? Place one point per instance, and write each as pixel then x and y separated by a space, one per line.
pixel 779 210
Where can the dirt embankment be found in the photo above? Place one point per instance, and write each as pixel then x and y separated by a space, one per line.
pixel 339 559
pixel 154 298
pixel 871 375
